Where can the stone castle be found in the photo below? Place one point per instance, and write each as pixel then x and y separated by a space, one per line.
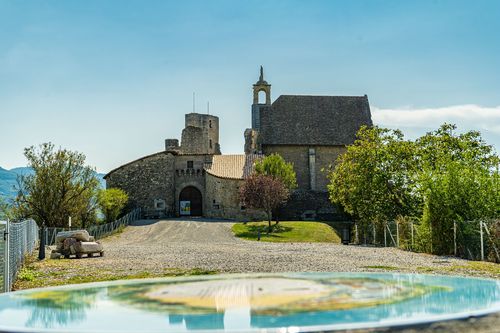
pixel 193 178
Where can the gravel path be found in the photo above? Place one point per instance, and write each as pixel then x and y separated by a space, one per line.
pixel 156 246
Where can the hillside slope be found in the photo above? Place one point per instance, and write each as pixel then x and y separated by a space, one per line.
pixel 8 181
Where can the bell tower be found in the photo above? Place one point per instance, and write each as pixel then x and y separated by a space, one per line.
pixel 252 143
pixel 259 86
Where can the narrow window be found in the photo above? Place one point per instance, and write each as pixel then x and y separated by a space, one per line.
pixel 210 123
pixel 189 164
pixel 262 97
pixel 210 142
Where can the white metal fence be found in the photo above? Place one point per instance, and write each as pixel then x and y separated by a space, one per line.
pixel 477 240
pixel 17 239
pixel 98 231
pixel 474 240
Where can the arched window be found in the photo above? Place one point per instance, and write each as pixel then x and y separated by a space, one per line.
pixel 262 97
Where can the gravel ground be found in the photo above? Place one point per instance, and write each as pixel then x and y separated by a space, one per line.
pixel 155 246
pixel 159 245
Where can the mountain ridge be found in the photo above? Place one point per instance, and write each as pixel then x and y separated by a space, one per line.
pixel 8 181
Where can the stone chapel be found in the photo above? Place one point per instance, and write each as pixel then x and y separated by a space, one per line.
pixel 193 178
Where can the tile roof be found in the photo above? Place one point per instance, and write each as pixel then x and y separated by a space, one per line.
pixel 232 166
pixel 314 120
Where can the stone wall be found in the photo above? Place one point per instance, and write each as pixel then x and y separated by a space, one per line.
pixel 306 205
pixel 201 134
pixel 185 176
pixel 222 200
pixel 326 156
pixel 251 141
pixel 299 156
pixel 149 183
pixel 172 144
pixel 192 141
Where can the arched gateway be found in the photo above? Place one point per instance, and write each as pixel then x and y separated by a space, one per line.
pixel 190 202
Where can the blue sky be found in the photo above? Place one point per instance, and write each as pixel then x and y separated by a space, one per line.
pixel 113 79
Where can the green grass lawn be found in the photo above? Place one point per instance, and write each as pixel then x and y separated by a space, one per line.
pixel 287 231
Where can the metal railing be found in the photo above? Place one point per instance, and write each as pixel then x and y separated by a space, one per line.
pixel 17 239
pixel 3 251
pixel 477 239
pixel 474 240
pixel 98 231
pixel 103 230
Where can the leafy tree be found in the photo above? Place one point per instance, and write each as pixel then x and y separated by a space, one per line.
pixel 264 192
pixel 274 165
pixel 61 186
pixel 440 178
pixel 458 177
pixel 373 179
pixel 111 202
pixel 5 209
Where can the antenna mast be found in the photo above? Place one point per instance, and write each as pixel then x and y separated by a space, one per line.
pixel 194 103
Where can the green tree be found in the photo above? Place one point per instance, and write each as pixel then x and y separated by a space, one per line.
pixel 61 186
pixel 274 165
pixel 111 202
pixel 458 177
pixel 5 209
pixel 373 179
pixel 440 178
pixel 264 192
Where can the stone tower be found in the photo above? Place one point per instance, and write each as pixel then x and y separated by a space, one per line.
pixel 259 86
pixel 200 136
pixel 252 145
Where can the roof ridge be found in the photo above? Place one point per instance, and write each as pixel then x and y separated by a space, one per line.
pixel 331 96
pixel 221 155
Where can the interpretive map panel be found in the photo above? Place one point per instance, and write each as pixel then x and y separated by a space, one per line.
pixel 304 301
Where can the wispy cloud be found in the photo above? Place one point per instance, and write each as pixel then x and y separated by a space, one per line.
pixel 466 117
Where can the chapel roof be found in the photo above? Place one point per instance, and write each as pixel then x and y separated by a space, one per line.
pixel 232 166
pixel 314 120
